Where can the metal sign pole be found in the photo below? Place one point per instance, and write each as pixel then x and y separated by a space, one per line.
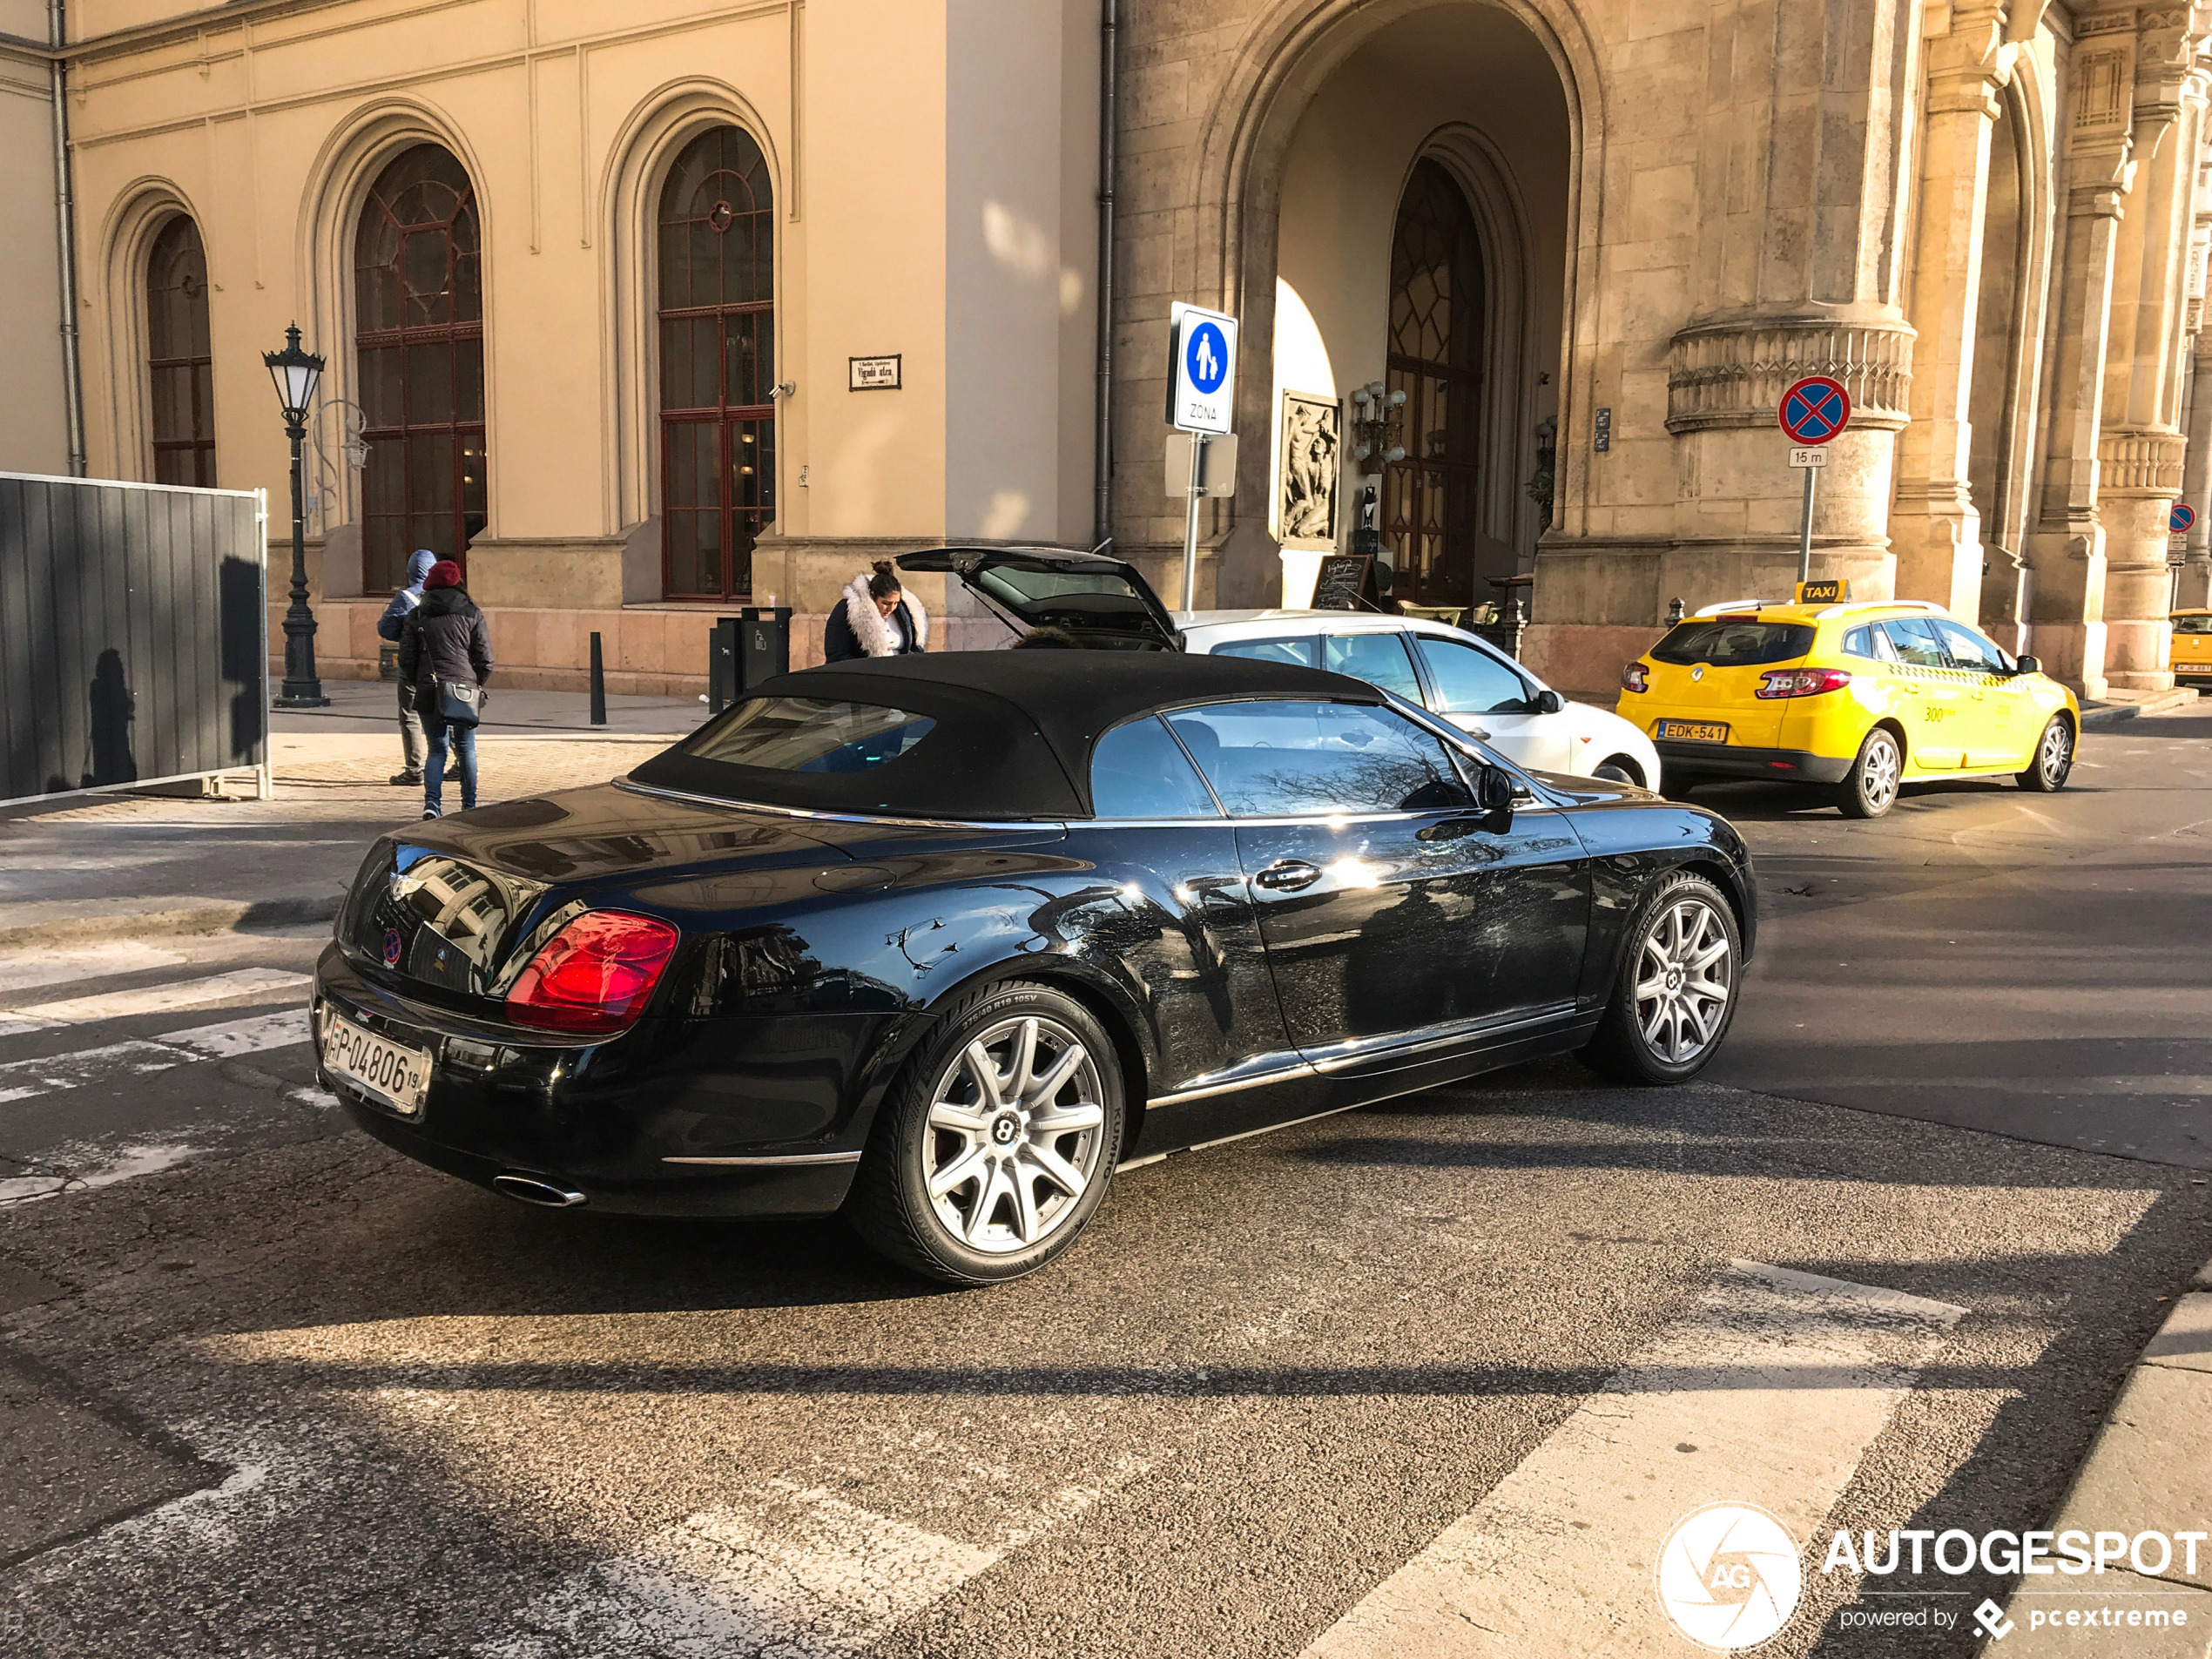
pixel 1805 528
pixel 1190 523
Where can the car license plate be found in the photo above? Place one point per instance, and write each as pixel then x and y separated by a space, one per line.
pixel 1695 731
pixel 389 1072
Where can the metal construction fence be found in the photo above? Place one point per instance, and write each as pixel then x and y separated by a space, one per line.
pixel 134 635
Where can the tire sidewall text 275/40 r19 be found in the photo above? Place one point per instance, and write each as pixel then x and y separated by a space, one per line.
pixel 1018 1090
pixel 1682 945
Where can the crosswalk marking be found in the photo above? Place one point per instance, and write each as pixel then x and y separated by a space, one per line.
pixel 1769 1392
pixel 29 970
pixel 22 1080
pixel 266 983
pixel 787 1572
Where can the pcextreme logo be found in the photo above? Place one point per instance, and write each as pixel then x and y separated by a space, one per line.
pixel 1728 1576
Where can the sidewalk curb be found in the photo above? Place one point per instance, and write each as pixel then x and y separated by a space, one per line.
pixel 2149 1468
pixel 216 916
pixel 2097 715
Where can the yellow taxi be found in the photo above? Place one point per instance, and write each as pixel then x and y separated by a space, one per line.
pixel 1860 697
pixel 2192 657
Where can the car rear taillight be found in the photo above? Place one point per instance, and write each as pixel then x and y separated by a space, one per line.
pixel 594 975
pixel 1635 677
pixel 1802 682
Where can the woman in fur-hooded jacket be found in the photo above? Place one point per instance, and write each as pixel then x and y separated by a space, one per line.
pixel 878 618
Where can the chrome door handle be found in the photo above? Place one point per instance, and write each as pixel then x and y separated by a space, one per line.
pixel 1477 733
pixel 1287 875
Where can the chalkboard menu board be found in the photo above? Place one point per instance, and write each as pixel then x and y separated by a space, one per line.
pixel 1343 575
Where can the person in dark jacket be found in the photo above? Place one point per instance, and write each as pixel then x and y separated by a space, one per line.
pixel 445 638
pixel 389 625
pixel 877 619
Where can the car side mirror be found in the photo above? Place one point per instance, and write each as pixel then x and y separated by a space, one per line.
pixel 1494 791
pixel 1548 702
pixel 2026 665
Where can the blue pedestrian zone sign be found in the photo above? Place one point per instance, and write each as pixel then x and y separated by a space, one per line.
pixel 2179 521
pixel 1814 410
pixel 1202 395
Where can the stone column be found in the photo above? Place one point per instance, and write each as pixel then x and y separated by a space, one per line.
pixel 2141 448
pixel 1935 523
pixel 2067 544
pixel 2194 588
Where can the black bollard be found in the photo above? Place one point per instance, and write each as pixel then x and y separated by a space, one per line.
pixel 598 684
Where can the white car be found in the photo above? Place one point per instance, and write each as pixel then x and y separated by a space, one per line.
pixel 1468 680
pixel 1092 600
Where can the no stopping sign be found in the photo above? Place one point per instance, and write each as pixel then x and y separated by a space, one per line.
pixel 1814 410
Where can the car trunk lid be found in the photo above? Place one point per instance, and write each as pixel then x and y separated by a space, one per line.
pixel 1096 601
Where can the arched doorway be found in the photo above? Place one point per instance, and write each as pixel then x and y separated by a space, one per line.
pixel 180 375
pixel 718 343
pixel 1436 360
pixel 419 320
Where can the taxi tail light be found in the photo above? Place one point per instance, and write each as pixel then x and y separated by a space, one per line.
pixel 1802 682
pixel 595 975
pixel 1635 677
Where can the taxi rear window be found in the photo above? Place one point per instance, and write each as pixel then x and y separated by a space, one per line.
pixel 1734 642
pixel 2193 625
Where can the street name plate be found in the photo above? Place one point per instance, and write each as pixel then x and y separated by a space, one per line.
pixel 875 373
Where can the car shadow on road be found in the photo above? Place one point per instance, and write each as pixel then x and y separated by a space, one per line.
pixel 1783 803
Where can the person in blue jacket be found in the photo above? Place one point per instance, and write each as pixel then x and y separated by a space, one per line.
pixel 414 746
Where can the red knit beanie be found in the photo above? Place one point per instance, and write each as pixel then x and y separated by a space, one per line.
pixel 444 574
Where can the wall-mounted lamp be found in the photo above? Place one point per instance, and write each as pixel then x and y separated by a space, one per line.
pixel 1376 428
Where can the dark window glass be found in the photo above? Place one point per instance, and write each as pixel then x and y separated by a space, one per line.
pixel 2193 625
pixel 1436 354
pixel 1139 771
pixel 1471 681
pixel 1311 760
pixel 1967 649
pixel 808 734
pixel 1728 643
pixel 418 302
pixel 179 360
pixel 1305 652
pixel 718 369
pixel 1379 659
pixel 1917 644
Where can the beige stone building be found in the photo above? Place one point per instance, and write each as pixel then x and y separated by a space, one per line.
pixel 646 308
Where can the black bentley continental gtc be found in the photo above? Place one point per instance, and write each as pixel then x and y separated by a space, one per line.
pixel 942 942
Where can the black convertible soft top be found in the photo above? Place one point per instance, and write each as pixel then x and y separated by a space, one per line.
pixel 1013 731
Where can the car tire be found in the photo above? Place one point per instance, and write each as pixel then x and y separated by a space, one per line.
pixel 1617 771
pixel 2052 762
pixel 1675 990
pixel 980 1096
pixel 1876 774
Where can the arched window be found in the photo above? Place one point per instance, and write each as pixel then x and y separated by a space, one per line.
pixel 179 363
pixel 1436 353
pixel 419 308
pixel 718 343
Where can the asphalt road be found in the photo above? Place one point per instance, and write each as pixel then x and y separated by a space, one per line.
pixel 266 1389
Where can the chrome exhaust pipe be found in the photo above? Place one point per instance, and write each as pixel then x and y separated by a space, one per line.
pixel 530 1189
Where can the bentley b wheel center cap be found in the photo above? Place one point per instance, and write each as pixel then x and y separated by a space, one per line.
pixel 1006 1129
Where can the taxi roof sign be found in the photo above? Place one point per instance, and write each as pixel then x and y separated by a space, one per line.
pixel 1830 591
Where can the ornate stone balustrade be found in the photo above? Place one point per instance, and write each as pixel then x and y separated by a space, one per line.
pixel 1733 373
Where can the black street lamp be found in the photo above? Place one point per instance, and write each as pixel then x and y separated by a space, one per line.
pixel 295 372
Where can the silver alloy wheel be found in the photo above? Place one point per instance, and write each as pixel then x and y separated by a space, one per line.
pixel 1879 772
pixel 1015 1126
pixel 1685 973
pixel 2055 753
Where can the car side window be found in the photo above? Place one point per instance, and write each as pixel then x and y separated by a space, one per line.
pixel 1140 771
pixel 1915 643
pixel 1284 760
pixel 1469 680
pixel 1967 649
pixel 1377 658
pixel 1305 650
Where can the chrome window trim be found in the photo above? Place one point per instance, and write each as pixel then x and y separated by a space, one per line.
pixel 635 787
pixel 789 1160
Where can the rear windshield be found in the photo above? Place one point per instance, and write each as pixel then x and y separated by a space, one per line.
pixel 1727 642
pixel 808 734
